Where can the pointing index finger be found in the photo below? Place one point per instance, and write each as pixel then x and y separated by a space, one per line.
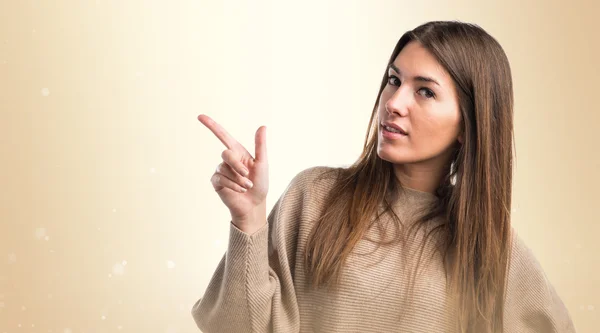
pixel 218 131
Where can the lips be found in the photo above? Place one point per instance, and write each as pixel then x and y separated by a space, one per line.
pixel 397 127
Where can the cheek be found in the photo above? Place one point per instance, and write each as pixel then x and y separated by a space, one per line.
pixel 437 129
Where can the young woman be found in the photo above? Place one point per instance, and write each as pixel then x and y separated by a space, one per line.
pixel 415 236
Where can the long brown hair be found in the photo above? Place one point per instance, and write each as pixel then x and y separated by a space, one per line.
pixel 475 195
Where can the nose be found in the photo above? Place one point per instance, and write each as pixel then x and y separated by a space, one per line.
pixel 399 102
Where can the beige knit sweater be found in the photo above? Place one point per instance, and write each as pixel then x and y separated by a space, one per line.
pixel 260 286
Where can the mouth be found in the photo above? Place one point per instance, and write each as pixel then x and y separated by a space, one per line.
pixel 392 128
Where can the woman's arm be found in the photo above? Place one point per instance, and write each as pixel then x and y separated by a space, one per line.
pixel 252 288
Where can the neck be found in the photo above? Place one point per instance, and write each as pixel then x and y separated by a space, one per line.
pixel 420 177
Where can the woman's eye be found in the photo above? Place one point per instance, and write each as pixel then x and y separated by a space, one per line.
pixel 427 93
pixel 393 80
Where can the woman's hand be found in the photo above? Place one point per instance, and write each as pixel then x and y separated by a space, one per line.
pixel 241 181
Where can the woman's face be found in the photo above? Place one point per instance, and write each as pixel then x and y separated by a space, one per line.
pixel 420 98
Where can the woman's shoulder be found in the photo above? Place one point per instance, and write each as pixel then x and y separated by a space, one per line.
pixel 310 186
pixel 522 254
pixel 524 263
pixel 306 193
pixel 316 178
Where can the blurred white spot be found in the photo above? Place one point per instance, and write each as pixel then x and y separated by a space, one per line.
pixel 98 228
pixel 67 330
pixel 45 92
pixel 124 263
pixel 119 327
pixel 19 325
pixel 118 269
pixel 170 264
pixel 32 325
pixel 33 31
pixel 103 317
pixel 49 295
pixel 590 307
pixel 218 243
pixel 114 210
pixel 47 238
pixel 23 308
pixel 109 275
pixel 579 246
pixel 51 251
pixel 12 258
pixel 152 170
pixel 40 233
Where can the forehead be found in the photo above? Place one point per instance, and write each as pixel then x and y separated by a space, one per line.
pixel 415 60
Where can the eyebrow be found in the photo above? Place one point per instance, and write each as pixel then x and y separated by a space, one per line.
pixel 416 78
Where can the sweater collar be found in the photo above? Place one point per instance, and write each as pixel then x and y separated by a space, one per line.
pixel 412 196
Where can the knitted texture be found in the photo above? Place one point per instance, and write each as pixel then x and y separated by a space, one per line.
pixel 260 286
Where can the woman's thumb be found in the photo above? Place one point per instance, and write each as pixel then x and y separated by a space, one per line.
pixel 260 144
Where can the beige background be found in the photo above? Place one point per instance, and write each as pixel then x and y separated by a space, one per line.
pixel 108 220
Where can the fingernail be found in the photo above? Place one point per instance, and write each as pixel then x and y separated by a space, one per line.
pixel 249 184
pixel 243 190
pixel 245 172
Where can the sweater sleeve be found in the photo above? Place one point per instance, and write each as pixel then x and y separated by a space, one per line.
pixel 532 304
pixel 252 289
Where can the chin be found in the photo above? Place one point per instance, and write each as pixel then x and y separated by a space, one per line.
pixel 392 157
pixel 398 155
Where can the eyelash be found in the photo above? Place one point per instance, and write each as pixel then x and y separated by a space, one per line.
pixel 429 92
